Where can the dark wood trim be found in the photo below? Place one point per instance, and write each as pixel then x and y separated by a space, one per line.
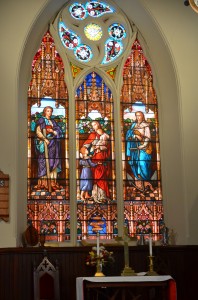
pixel 16 268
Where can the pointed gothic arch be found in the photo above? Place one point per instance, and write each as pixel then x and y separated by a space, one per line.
pixel 22 81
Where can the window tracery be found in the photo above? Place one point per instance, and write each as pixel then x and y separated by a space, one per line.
pixel 99 27
pixel 93 39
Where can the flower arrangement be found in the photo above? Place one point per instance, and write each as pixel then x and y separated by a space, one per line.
pixel 105 256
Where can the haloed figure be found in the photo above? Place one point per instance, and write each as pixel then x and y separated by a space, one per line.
pixel 139 148
pixel 48 135
pixel 100 150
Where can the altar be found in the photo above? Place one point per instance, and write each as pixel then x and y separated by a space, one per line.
pixel 126 287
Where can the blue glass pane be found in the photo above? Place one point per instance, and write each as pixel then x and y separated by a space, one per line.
pixel 98 83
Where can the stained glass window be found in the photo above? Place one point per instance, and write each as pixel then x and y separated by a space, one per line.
pixel 143 208
pixel 117 31
pixel 113 49
pixel 93 32
pixel 101 195
pixel 69 39
pixel 78 11
pixel 92 8
pixel 96 192
pixel 48 172
pixel 110 35
pixel 83 53
pixel 96 8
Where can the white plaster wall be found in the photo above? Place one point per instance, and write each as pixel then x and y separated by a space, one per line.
pixel 170 31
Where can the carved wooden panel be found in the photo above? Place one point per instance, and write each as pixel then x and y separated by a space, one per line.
pixel 4 196
pixel 17 264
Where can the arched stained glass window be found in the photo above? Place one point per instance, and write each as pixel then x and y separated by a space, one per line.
pixel 96 191
pixel 48 173
pixel 143 210
pixel 111 181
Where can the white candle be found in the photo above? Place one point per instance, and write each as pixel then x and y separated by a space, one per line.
pixel 150 245
pixel 98 244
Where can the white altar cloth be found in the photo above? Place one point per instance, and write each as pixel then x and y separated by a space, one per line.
pixel 79 281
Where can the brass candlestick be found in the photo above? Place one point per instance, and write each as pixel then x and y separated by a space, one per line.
pixel 98 267
pixel 151 272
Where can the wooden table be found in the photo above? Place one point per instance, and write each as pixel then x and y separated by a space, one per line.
pixel 123 288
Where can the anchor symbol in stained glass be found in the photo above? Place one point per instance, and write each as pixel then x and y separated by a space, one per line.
pixel 93 32
pixel 69 39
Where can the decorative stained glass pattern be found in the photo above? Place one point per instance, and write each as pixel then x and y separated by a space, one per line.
pixel 93 9
pixel 75 70
pixel 97 9
pixel 96 191
pixel 111 73
pixel 110 38
pixel 113 49
pixel 117 31
pixel 69 39
pixel 83 53
pixel 78 11
pixel 143 207
pixel 93 32
pixel 48 169
pixel 48 143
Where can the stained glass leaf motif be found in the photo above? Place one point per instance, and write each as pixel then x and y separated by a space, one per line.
pixel 78 11
pixel 112 50
pixel 97 9
pixel 117 31
pixel 69 39
pixel 83 53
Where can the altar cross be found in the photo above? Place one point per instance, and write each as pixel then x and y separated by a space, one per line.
pixel 125 238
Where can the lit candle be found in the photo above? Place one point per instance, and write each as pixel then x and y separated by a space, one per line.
pixel 150 245
pixel 98 244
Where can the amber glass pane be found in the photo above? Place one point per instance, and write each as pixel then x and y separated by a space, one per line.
pixel 143 210
pixel 48 170
pixel 96 193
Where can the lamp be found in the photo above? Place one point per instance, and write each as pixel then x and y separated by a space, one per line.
pixel 186 3
pixel 193 4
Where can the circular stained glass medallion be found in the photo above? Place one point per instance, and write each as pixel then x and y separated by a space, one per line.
pixel 78 11
pixel 93 32
pixel 83 53
pixel 117 31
